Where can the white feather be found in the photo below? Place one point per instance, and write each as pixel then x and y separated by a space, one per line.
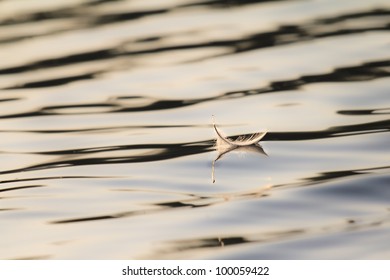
pixel 242 140
pixel 243 143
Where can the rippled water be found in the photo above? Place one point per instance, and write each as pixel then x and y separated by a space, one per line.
pixel 107 141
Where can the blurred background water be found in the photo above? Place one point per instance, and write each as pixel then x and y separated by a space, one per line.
pixel 107 141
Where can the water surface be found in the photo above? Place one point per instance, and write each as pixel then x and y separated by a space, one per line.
pixel 107 141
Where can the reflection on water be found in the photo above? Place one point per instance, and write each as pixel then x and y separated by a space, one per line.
pixel 105 114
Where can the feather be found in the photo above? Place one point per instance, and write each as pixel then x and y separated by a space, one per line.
pixel 242 143
pixel 242 140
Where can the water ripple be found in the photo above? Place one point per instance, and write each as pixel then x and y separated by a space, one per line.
pixel 105 118
pixel 287 34
pixel 364 72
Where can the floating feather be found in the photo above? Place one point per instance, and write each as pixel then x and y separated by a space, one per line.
pixel 243 143
pixel 242 140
